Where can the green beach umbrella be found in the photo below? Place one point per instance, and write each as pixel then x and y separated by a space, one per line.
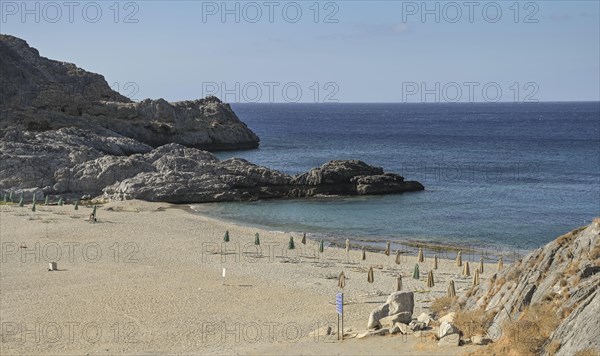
pixel 60 201
pixel 46 201
pixel 10 196
pixel 5 198
pixel 321 246
pixel 291 245
pixel 225 238
pixel 303 238
pixel 416 272
pixel 76 205
pixel 21 200
pixel 257 239
pixel 33 207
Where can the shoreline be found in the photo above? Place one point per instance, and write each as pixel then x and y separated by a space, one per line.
pixel 155 271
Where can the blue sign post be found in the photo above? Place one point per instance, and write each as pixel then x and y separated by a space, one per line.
pixel 339 306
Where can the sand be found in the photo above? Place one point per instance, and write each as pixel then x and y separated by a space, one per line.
pixel 147 279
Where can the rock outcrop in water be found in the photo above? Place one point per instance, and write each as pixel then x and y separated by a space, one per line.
pixel 39 94
pixel 65 132
pixel 563 276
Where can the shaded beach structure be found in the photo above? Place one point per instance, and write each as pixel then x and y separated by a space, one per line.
pixel 459 258
pixel 370 276
pixel 466 270
pixel 321 246
pixel 476 278
pixel 416 272
pixel 435 262
pixel 481 265
pixel 420 255
pixel 257 239
pixel 398 283
pixel 398 257
pixel 303 238
pixel 46 200
pixel 291 244
pixel 342 280
pixel 500 264
pixel 364 254
pixel 225 237
pixel 430 283
pixel 451 289
pixel 387 248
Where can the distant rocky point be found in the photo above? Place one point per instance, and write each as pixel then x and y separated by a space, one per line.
pixel 63 131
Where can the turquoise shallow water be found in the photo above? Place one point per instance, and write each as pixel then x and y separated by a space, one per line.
pixel 498 176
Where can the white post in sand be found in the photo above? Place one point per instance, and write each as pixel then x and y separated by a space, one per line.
pixel 52 266
pixel 223 276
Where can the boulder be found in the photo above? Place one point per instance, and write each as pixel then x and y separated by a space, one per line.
pixel 449 318
pixel 376 315
pixel 449 340
pixel 425 318
pixel 401 302
pixel 446 328
pixel 417 325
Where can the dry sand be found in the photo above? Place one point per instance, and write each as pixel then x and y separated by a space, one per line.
pixel 147 279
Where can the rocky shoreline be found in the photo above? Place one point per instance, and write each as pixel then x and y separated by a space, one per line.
pixel 64 132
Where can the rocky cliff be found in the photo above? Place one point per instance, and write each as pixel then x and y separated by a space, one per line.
pixel 63 131
pixel 39 94
pixel 562 279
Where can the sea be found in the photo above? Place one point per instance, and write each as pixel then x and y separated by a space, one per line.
pixel 497 176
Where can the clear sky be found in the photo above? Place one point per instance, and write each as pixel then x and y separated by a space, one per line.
pixel 351 51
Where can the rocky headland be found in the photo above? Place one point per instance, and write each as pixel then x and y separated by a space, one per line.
pixel 65 132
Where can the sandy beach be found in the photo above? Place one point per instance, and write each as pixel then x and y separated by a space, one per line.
pixel 147 279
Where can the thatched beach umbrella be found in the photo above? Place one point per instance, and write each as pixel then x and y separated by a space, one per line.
pixel 500 264
pixel 451 290
pixel 46 201
pixel 387 249
pixel 364 254
pixel 398 283
pixel 476 278
pixel 303 239
pixel 430 283
pixel 459 258
pixel 481 265
pixel 466 270
pixel 398 257
pixel 225 237
pixel 342 280
pixel 370 276
pixel 416 272
pixel 291 244
pixel 420 255
pixel 435 262
pixel 257 239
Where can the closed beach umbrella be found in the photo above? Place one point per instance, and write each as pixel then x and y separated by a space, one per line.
pixel 94 212
pixel 348 250
pixel 21 201
pixel 420 256
pixel 416 272
pixel 364 254
pixel 451 290
pixel 46 200
pixel 430 283
pixel 257 239
pixel 481 265
pixel 76 205
pixel 342 280
pixel 398 283
pixel 466 270
pixel 387 249
pixel 225 237
pixel 398 257
pixel 5 199
pixel 370 276
pixel 321 246
pixel 33 207
pixel 10 196
pixel 459 258
pixel 476 278
pixel 291 245
pixel 303 239
pixel 435 262
pixel 60 202
pixel 500 264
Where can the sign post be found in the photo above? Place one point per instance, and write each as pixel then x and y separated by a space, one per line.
pixel 339 306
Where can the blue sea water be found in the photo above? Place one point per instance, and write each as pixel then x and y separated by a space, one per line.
pixel 502 174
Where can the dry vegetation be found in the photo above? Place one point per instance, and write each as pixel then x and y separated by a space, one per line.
pixel 473 322
pixel 587 352
pixel 442 305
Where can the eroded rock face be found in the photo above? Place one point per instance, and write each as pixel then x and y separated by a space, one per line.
pixel 39 94
pixel 562 273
